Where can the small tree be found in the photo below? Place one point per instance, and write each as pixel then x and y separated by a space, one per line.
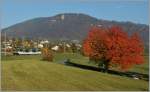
pixel 113 46
pixel 47 54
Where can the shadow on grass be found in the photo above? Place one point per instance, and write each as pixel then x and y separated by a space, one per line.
pixel 134 75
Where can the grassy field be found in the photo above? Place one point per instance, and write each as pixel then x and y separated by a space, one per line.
pixel 77 58
pixel 31 73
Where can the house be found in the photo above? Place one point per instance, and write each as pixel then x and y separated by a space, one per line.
pixel 44 42
pixel 55 48
pixel 67 45
pixel 40 46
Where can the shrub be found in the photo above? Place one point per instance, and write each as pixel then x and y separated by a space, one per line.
pixel 47 54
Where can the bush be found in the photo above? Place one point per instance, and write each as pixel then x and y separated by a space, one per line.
pixel 47 54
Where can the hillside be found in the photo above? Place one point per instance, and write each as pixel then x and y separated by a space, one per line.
pixel 30 73
pixel 71 26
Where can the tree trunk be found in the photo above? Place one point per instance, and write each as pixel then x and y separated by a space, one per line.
pixel 106 66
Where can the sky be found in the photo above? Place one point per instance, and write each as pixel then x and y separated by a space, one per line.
pixel 17 11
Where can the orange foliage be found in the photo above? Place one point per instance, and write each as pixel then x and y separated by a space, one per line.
pixel 47 54
pixel 114 46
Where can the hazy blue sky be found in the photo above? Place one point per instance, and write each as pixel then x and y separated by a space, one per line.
pixel 15 11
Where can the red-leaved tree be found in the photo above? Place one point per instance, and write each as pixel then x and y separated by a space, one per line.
pixel 112 46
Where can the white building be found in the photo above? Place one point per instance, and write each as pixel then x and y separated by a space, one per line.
pixel 40 46
pixel 55 48
pixel 68 45
pixel 45 41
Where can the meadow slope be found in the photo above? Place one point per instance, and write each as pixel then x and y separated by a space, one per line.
pixel 31 73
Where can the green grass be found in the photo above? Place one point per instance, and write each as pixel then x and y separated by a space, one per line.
pixel 77 58
pixel 31 73
pixel 144 68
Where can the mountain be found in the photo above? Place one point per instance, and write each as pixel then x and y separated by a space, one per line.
pixel 70 26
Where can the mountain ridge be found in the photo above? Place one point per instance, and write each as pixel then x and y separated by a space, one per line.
pixel 72 26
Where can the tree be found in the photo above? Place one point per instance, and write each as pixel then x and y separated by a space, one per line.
pixel 47 54
pixel 112 46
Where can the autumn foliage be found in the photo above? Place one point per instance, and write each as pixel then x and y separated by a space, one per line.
pixel 47 54
pixel 113 46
